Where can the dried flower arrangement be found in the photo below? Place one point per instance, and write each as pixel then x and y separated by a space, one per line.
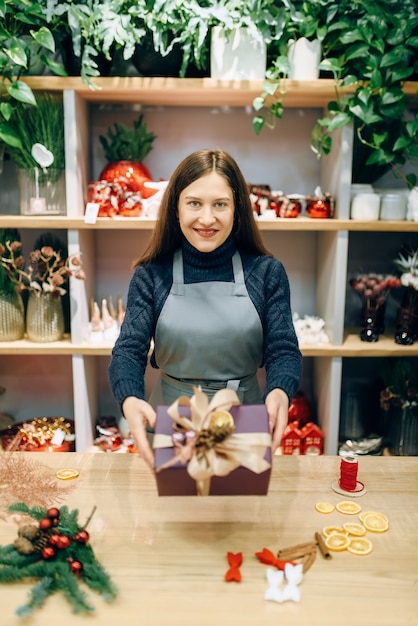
pixel 48 270
pixel 407 322
pixel 373 290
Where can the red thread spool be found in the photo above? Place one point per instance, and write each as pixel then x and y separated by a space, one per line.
pixel 348 475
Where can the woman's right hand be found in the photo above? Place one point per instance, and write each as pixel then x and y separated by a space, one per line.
pixel 138 413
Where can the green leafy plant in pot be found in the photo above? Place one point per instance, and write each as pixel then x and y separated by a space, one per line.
pixel 370 48
pixel 25 39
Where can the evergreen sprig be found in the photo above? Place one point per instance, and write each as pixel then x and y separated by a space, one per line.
pixel 55 574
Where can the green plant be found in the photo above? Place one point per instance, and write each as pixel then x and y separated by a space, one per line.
pixel 43 124
pixel 24 39
pixel 370 48
pixel 187 23
pixel 127 144
pixel 95 27
pixel 400 382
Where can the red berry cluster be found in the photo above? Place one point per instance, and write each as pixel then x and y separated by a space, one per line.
pixel 58 541
pixel 374 287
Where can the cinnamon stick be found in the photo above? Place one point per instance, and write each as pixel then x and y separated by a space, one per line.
pixel 296 551
pixel 322 547
pixel 309 559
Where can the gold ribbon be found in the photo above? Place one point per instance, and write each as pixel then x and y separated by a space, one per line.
pixel 238 449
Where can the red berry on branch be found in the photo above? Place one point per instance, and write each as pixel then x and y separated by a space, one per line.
pixel 54 539
pixel 82 536
pixel 76 567
pixel 63 542
pixel 45 523
pixel 53 512
pixel 48 553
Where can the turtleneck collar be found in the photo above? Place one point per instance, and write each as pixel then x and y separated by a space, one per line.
pixel 218 257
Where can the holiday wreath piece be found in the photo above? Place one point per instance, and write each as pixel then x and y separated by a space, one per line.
pixel 56 550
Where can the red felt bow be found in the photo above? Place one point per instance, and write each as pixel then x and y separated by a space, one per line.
pixel 267 557
pixel 234 561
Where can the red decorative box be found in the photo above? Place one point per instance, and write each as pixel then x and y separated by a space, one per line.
pixel 292 440
pixel 176 481
pixel 313 438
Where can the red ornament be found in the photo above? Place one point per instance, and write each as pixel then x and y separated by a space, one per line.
pixel 82 536
pixel 54 539
pixel 48 553
pixel 76 567
pixel 45 523
pixel 63 542
pixel 53 513
pixel 130 175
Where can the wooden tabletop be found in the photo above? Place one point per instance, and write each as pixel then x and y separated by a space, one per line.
pixel 168 556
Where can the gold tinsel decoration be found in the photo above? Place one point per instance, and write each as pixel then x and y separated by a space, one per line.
pixel 25 480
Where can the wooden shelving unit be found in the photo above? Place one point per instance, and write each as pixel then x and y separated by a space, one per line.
pixel 317 252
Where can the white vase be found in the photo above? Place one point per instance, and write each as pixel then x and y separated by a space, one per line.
pixel 412 205
pixel 237 55
pixel 304 57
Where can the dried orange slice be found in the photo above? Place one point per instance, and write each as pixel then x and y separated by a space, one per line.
pixel 360 545
pixel 363 514
pixel 349 508
pixel 329 530
pixel 375 523
pixel 337 542
pixel 67 474
pixel 324 507
pixel 354 529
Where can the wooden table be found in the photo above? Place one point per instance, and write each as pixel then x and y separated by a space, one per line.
pixel 168 557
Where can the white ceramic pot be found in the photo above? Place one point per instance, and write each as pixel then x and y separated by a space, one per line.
pixel 365 206
pixel 237 55
pixel 304 57
pixel 412 204
pixel 392 206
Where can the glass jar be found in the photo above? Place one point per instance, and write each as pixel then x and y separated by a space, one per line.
pixel 42 191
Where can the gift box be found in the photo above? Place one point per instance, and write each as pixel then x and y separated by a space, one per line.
pixel 175 475
pixel 42 434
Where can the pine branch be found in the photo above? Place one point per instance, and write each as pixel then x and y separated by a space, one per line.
pixel 38 594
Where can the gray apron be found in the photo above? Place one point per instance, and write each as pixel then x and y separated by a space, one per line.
pixel 208 334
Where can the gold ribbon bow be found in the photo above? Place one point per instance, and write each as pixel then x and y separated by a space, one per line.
pixel 235 450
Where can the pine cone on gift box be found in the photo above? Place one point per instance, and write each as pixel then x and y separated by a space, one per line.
pixel 209 437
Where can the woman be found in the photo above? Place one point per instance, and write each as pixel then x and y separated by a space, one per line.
pixel 213 298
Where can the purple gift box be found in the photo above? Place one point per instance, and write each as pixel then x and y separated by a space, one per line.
pixel 175 480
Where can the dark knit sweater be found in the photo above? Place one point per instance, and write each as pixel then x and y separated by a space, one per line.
pixel 268 288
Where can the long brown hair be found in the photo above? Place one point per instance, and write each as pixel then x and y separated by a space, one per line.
pixel 167 234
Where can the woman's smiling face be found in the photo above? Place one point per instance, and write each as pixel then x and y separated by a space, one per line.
pixel 206 212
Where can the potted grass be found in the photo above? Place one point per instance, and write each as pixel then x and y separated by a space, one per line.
pixel 40 156
pixel 371 49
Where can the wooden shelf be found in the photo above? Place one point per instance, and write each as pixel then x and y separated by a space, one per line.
pixel 193 91
pixel 351 347
pixel 137 223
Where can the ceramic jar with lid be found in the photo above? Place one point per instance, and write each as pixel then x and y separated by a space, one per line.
pixel 365 206
pixel 393 206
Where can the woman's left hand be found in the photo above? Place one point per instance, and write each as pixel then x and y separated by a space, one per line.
pixel 277 405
